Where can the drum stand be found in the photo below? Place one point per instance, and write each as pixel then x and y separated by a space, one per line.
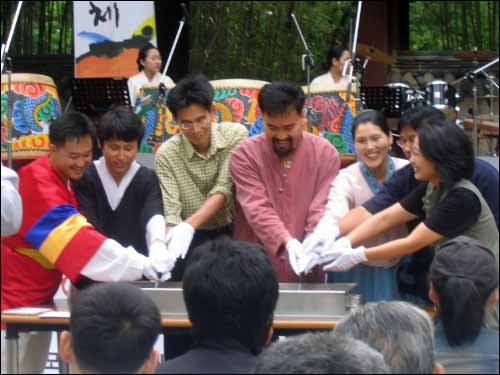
pixel 307 63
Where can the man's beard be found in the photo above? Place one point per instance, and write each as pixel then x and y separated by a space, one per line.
pixel 281 152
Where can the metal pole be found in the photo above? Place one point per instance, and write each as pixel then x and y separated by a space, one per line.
pixel 181 25
pixel 5 50
pixel 475 109
pixel 353 51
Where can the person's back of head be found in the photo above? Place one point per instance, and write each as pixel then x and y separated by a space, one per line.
pixel 418 116
pixel 192 90
pixel 113 328
pixel 321 353
pixel 230 290
pixel 400 331
pixel 464 277
pixel 122 124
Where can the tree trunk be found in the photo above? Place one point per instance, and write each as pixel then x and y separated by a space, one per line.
pixel 465 35
pixel 476 24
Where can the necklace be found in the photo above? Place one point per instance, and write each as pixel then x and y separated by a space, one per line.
pixel 287 163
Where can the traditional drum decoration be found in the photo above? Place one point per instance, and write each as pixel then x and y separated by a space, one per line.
pixel 328 112
pixel 158 121
pixel 236 100
pixel 35 103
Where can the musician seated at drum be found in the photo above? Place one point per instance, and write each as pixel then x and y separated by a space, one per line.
pixel 149 64
pixel 446 201
pixel 120 198
pixel 193 169
pixel 336 58
pixel 352 187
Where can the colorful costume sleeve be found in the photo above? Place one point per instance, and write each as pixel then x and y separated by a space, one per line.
pixel 52 225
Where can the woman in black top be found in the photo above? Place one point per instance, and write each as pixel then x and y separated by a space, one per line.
pixel 445 200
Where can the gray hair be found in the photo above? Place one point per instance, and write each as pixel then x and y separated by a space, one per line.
pixel 321 353
pixel 402 332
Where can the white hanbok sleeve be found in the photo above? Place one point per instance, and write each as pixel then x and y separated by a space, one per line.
pixel 340 198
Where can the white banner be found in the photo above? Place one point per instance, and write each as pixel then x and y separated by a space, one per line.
pixel 109 35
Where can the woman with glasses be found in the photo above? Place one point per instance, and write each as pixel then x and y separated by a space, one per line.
pixel 446 201
pixel 354 186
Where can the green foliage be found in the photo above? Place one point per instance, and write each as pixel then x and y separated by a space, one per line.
pixel 255 39
pixel 453 25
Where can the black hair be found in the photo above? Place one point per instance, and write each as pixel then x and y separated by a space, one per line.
pixel 417 116
pixel 375 117
pixel 230 290
pixel 280 97
pixel 143 53
pixel 120 123
pixel 448 147
pixel 188 91
pixel 464 274
pixel 113 328
pixel 70 126
pixel 334 52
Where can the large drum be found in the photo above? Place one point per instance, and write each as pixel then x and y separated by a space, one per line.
pixel 236 100
pixel 158 122
pixel 328 114
pixel 34 104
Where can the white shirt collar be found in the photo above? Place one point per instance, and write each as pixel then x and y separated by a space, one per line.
pixel 115 192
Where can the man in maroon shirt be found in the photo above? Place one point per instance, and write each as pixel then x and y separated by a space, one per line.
pixel 282 180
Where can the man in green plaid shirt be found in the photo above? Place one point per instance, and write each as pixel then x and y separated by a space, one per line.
pixel 193 168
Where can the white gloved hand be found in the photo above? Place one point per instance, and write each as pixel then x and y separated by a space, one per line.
pixel 179 239
pixel 325 233
pixel 347 259
pixel 149 270
pixel 163 259
pixel 296 255
pixel 333 250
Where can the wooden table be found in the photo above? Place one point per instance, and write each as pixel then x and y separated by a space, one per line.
pixel 173 324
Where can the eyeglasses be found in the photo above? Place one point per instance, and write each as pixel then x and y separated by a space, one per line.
pixel 202 123
pixel 402 142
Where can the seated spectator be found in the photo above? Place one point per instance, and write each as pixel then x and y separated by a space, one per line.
pixel 321 353
pixel 464 284
pixel 112 330
pixel 230 291
pixel 400 331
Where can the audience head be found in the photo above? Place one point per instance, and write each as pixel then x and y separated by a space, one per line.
pixel 372 138
pixel 70 148
pixel 411 120
pixel 400 331
pixel 120 134
pixel 282 106
pixel 336 57
pixel 191 104
pixel 464 283
pixel 321 353
pixel 230 291
pixel 112 330
pixel 149 59
pixel 442 152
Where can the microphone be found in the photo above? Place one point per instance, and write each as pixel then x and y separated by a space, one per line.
pixel 185 13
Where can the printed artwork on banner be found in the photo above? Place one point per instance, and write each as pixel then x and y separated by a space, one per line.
pixel 108 36
pixel 34 103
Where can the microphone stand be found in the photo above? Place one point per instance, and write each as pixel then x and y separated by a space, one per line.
pixel 475 106
pixel 307 64
pixel 174 45
pixel 7 63
pixel 353 52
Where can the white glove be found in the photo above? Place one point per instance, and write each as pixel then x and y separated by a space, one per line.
pixel 333 250
pixel 179 238
pixel 149 270
pixel 347 259
pixel 163 259
pixel 323 236
pixel 296 255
